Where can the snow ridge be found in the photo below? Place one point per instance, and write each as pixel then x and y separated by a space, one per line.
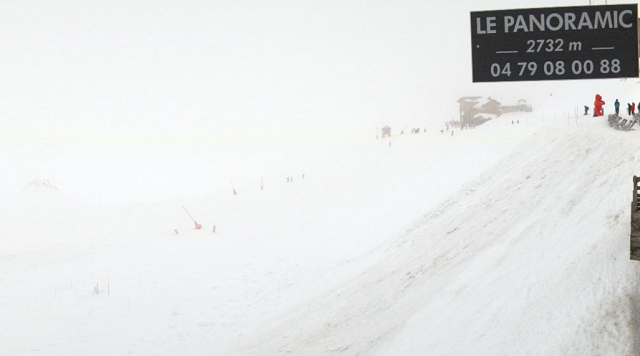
pixel 529 258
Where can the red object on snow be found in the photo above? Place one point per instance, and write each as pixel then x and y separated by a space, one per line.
pixel 597 105
pixel 198 226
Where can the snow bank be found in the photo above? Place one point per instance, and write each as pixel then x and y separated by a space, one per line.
pixel 505 239
pixel 197 292
pixel 529 258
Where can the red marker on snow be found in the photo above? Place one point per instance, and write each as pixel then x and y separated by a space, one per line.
pixel 234 188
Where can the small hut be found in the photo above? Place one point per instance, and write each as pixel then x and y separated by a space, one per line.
pixel 386 131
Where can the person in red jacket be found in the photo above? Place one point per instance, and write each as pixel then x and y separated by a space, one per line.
pixel 597 106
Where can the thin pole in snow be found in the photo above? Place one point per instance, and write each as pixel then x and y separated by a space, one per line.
pixel 185 209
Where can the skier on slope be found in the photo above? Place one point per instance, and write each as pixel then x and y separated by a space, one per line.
pixel 617 106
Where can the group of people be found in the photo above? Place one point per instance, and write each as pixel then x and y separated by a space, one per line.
pixel 598 107
pixel 290 179
pixel 631 108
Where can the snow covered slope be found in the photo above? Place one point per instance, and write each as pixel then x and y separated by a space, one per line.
pixel 198 292
pixel 507 239
pixel 530 258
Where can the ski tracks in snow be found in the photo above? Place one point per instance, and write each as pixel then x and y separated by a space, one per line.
pixel 531 257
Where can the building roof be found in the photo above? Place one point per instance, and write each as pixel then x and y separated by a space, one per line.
pixel 469 99
pixel 478 101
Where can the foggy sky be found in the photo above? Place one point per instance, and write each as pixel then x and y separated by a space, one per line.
pixel 156 99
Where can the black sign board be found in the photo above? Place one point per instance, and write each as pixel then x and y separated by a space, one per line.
pixel 581 42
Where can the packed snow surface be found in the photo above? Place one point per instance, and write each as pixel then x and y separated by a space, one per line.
pixel 503 240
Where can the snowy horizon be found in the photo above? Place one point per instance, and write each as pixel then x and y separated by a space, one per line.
pixel 189 96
